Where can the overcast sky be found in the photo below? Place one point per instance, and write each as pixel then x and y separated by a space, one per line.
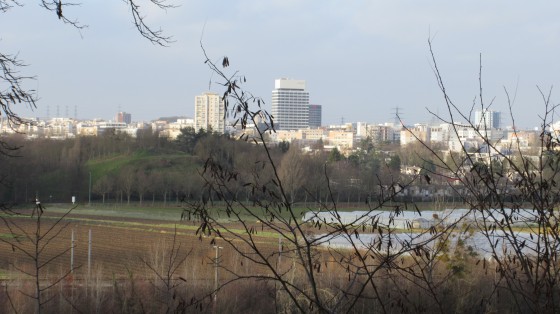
pixel 361 59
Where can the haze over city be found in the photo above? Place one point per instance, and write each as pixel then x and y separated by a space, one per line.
pixel 360 59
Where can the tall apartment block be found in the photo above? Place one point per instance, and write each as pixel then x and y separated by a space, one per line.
pixel 123 117
pixel 487 119
pixel 290 104
pixel 209 112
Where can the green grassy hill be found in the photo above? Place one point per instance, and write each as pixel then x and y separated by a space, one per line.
pixel 144 161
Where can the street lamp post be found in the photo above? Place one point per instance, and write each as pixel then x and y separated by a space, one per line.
pixel 89 202
pixel 216 264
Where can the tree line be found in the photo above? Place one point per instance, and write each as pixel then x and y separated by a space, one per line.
pixel 147 168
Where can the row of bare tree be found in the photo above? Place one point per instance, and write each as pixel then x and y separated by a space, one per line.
pixel 152 167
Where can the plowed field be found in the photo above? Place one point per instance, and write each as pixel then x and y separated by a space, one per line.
pixel 120 248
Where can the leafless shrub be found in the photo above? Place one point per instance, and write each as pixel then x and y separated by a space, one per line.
pixel 165 263
pixel 514 199
pixel 35 245
pixel 297 267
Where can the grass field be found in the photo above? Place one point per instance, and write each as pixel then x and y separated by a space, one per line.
pixel 172 209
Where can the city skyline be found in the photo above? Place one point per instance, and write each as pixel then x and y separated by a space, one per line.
pixel 360 60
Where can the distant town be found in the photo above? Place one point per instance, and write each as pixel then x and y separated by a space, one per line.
pixel 295 120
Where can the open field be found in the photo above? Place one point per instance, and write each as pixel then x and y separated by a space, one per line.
pixel 136 268
pixel 120 240
pixel 124 236
pixel 127 253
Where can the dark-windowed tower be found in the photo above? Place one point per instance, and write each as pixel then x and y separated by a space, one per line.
pixel 124 117
pixel 487 119
pixel 315 112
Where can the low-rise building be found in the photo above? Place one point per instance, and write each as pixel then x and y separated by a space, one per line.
pixel 173 129
pixel 418 132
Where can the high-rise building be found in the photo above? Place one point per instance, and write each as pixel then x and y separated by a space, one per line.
pixel 209 112
pixel 123 117
pixel 290 104
pixel 487 119
pixel 315 113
